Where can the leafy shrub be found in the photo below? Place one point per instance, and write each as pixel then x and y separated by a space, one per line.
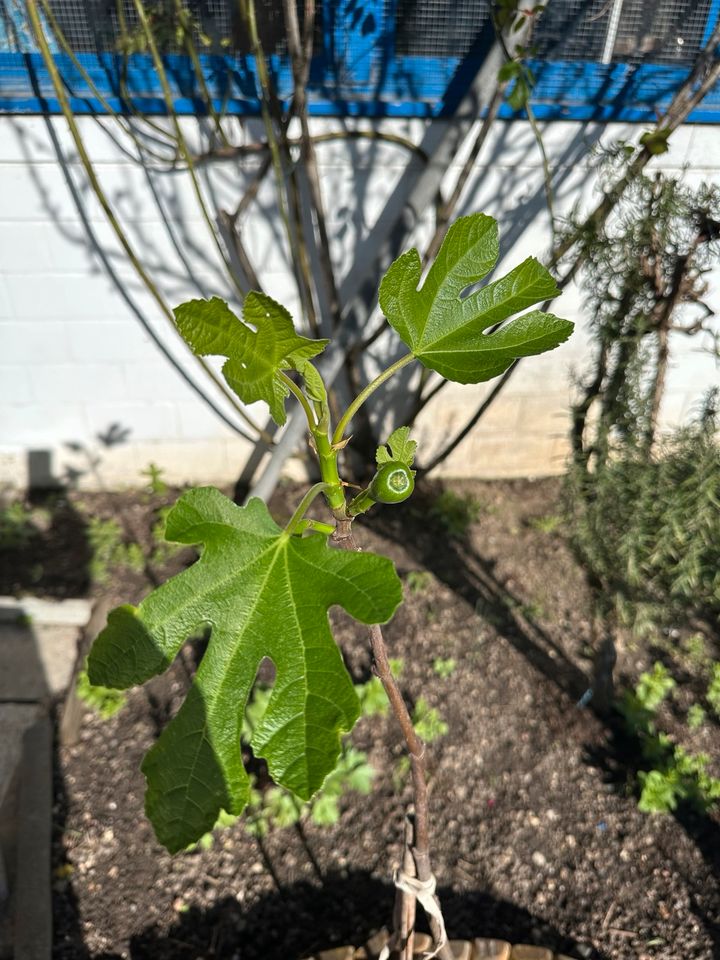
pixel 109 551
pixel 649 528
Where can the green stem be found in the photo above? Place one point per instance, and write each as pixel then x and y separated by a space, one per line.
pixel 300 397
pixel 361 503
pixel 368 391
pixel 308 524
pixel 547 173
pixel 327 458
pixel 302 507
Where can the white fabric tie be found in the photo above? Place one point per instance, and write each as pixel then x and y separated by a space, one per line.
pixel 424 893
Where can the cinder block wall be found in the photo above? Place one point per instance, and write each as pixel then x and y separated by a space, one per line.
pixel 76 359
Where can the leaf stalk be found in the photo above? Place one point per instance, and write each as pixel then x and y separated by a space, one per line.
pixel 300 397
pixel 298 517
pixel 367 392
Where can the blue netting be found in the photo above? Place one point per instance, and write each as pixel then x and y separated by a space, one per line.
pixel 594 58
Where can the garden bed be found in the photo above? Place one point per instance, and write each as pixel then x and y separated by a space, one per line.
pixel 538 838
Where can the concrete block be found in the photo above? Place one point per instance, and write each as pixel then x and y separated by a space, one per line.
pixel 181 463
pixel 38 192
pixel 154 378
pixel 23 138
pixel 35 660
pixel 151 420
pixel 702 149
pixel 675 409
pixel 33 342
pixel 500 190
pixel 24 248
pixel 80 383
pixel 455 405
pixel 5 305
pixel 509 143
pixel 680 147
pixel 196 421
pixel 547 414
pixel 13 468
pixel 117 466
pixel 68 295
pixel 491 456
pixel 43 424
pixel 15 386
pixel 73 612
pixel 93 341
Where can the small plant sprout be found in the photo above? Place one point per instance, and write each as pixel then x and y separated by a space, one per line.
pixel 455 513
pixel 444 667
pixel 156 485
pixel 418 580
pixel 265 588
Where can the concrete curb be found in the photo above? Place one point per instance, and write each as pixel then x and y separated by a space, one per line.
pixel 33 894
pixel 72 613
pixel 38 646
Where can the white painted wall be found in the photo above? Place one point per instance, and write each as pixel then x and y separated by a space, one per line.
pixel 74 357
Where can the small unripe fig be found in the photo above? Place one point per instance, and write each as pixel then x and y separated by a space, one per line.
pixel 392 483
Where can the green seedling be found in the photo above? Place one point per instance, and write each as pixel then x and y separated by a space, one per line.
pixel 548 523
pixel 155 483
pixel 696 716
pixel 17 528
pixel 713 691
pixel 428 722
pixel 444 667
pixel 109 551
pixel 455 513
pixel 418 581
pixel 105 701
pixel 674 775
pixel 264 587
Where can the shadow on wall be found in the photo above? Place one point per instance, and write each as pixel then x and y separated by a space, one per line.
pixel 80 461
pixel 154 202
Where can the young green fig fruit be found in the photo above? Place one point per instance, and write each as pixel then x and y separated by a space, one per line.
pixel 393 483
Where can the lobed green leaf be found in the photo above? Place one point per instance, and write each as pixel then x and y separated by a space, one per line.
pixel 399 448
pixel 251 587
pixel 257 347
pixel 448 332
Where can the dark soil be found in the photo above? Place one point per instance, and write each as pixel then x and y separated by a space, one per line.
pixel 537 835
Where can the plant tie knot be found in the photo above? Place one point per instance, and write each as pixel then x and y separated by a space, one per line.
pixel 424 893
